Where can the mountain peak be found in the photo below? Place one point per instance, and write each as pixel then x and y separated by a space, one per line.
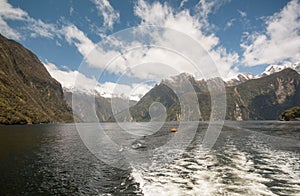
pixel 240 78
pixel 277 68
pixel 179 78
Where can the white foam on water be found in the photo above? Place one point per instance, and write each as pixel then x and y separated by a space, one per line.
pixel 229 171
pixel 238 176
pixel 180 177
pixel 281 166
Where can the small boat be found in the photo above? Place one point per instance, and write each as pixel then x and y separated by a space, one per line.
pixel 173 130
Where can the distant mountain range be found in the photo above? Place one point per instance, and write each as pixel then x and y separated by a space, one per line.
pixel 103 106
pixel 263 98
pixel 28 94
pixel 277 68
pixel 271 69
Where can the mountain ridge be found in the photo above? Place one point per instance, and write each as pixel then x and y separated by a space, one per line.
pixel 30 95
pixel 262 98
pixel 233 81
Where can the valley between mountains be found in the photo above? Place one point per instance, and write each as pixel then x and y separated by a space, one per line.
pixel 28 94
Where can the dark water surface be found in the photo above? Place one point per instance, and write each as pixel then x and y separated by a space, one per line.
pixel 249 158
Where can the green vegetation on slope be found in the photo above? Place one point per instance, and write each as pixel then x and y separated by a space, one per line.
pixel 28 94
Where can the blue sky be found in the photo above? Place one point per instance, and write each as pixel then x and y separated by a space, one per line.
pixel 240 36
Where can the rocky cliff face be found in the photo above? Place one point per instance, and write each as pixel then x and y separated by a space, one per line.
pixel 256 99
pixel 170 93
pixel 264 98
pixel 28 94
pixel 290 114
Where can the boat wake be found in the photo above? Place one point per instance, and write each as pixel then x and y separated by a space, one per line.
pixel 253 169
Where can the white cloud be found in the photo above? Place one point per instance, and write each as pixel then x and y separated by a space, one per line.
pixel 144 63
pixel 36 27
pixel 279 42
pixel 39 28
pixel 182 3
pixel 93 55
pixel 68 78
pixel 76 81
pixel 75 36
pixel 157 14
pixel 229 23
pixel 133 59
pixel 194 26
pixel 71 10
pixel 242 14
pixel 7 31
pixel 110 16
pixel 7 12
pixel 205 7
pixel 154 63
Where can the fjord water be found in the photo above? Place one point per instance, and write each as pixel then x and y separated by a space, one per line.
pixel 249 158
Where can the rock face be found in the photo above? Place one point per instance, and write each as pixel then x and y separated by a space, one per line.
pixel 264 98
pixel 162 94
pixel 291 114
pixel 28 94
pixel 170 93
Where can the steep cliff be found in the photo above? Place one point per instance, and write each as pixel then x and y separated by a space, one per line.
pixel 264 98
pixel 28 94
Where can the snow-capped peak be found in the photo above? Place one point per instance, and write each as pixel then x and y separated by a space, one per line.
pixel 112 90
pixel 277 68
pixel 179 78
pixel 238 79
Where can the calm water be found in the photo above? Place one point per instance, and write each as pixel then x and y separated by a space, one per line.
pixel 249 158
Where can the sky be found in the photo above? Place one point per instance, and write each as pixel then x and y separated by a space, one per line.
pixel 125 47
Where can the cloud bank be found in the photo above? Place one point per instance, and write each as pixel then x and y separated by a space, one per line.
pixel 279 42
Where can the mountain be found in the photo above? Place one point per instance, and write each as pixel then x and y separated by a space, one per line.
pixel 168 93
pixel 104 107
pixel 263 98
pixel 240 78
pixel 28 94
pixel 160 93
pixel 291 114
pixel 277 68
pixel 271 69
